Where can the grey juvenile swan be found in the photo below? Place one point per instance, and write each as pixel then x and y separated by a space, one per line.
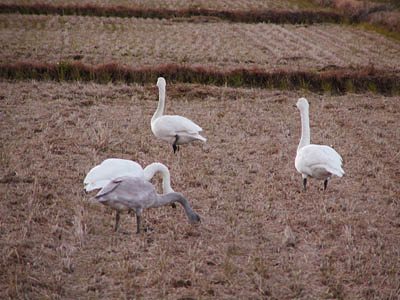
pixel 134 193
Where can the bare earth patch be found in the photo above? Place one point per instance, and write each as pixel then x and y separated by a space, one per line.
pixel 260 237
pixel 149 42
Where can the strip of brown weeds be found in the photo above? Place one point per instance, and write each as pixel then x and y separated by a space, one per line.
pixel 335 81
pixel 251 16
pixel 374 13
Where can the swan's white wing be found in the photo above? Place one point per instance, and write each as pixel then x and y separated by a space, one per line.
pixel 109 169
pixel 320 156
pixel 173 125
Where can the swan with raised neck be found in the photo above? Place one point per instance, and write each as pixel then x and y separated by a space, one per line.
pixel 174 129
pixel 315 161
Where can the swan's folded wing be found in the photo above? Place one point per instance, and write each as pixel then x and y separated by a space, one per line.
pixel 130 191
pixel 177 124
pixel 321 155
pixel 109 169
pixel 110 187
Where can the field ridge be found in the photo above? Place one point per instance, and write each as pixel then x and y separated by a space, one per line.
pixel 333 80
pixel 249 16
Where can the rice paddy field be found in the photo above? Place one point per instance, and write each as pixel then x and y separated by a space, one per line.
pixel 149 42
pixel 179 4
pixel 261 235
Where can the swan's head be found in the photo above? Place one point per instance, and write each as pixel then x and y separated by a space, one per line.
pixel 194 218
pixel 302 104
pixel 161 82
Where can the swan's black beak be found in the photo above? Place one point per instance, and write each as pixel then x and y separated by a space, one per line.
pixel 195 219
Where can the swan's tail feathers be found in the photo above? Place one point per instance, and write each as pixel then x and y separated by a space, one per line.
pixel 338 172
pixel 201 138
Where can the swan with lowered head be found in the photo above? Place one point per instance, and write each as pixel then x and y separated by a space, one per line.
pixel 99 176
pixel 134 193
pixel 316 161
pixel 174 129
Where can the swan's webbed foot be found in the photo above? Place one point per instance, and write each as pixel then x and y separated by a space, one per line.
pixel 304 184
pixel 325 184
pixel 147 229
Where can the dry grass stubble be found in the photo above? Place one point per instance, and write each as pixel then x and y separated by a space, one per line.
pixel 260 237
pixel 174 4
pixel 216 45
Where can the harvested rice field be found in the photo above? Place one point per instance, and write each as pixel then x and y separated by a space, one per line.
pixel 261 235
pixel 242 183
pixel 180 4
pixel 149 42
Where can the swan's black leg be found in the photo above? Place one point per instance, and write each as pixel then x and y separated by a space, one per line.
pixel 116 221
pixel 305 184
pixel 325 184
pixel 174 145
pixel 138 223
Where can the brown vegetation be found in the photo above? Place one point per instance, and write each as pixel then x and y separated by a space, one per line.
pixel 375 13
pixel 352 11
pixel 332 81
pixel 261 236
pixel 254 16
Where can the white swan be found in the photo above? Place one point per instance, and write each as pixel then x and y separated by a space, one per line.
pixel 316 161
pixel 176 130
pixel 134 193
pixel 99 176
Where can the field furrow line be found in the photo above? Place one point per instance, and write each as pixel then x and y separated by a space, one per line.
pixel 309 47
pixel 325 49
pixel 356 46
pixel 260 36
pixel 344 46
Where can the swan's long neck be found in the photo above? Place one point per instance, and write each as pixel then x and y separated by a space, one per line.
pixel 153 168
pixel 305 129
pixel 166 199
pixel 161 103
